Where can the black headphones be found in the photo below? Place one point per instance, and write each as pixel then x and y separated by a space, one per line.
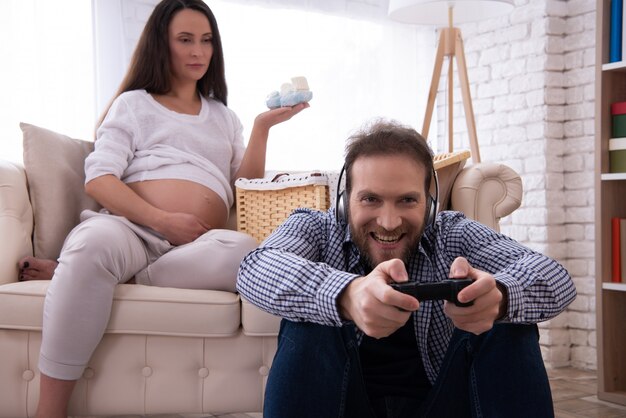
pixel 341 201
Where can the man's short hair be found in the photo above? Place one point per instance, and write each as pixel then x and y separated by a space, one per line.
pixel 388 138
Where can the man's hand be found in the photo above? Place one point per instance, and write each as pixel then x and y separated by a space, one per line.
pixel 376 308
pixel 490 302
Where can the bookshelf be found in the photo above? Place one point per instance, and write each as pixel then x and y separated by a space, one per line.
pixel 610 189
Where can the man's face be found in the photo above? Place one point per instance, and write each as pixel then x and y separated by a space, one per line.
pixel 387 207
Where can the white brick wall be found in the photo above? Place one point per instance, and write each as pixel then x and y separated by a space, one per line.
pixel 578 134
pixel 532 84
pixel 536 114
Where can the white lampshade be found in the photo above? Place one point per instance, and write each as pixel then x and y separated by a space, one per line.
pixel 435 12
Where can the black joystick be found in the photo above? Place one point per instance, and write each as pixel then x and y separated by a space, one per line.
pixel 446 289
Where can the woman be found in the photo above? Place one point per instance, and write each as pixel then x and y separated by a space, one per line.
pixel 166 155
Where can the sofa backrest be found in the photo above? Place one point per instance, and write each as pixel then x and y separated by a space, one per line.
pixel 54 169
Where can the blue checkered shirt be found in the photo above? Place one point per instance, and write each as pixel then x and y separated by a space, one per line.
pixel 301 269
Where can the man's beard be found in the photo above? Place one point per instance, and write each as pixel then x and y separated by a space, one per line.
pixel 361 240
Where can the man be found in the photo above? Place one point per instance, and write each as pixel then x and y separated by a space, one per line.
pixel 352 346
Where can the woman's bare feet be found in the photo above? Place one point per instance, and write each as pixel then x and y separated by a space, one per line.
pixel 32 268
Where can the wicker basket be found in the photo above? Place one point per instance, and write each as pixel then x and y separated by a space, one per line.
pixel 259 212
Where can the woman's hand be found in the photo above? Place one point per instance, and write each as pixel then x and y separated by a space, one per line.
pixel 273 117
pixel 253 163
pixel 181 228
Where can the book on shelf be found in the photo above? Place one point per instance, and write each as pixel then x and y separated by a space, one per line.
pixel 618 250
pixel 615 31
pixel 623 57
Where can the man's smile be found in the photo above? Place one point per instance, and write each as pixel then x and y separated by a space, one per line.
pixel 386 238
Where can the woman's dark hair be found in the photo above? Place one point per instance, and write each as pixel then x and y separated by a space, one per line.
pixel 388 138
pixel 150 67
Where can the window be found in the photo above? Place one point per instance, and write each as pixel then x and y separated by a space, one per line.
pixel 357 69
pixel 47 70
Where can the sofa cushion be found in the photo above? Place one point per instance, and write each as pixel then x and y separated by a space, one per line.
pixel 54 166
pixel 136 309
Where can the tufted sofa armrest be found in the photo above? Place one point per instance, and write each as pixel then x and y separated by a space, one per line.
pixel 487 192
pixel 16 220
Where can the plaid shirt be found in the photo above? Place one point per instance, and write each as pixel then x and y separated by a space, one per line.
pixel 301 269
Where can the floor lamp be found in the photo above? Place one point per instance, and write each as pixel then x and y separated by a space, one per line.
pixel 440 12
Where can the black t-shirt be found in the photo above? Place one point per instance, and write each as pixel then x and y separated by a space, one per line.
pixel 392 365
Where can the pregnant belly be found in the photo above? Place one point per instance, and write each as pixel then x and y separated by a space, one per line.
pixel 184 196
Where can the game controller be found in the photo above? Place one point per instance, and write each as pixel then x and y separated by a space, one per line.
pixel 447 289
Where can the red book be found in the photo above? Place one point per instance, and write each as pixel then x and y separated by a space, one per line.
pixel 616 271
pixel 622 249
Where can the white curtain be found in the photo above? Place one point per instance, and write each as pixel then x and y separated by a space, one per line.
pixel 358 69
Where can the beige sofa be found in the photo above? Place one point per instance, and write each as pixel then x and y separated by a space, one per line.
pixel 167 350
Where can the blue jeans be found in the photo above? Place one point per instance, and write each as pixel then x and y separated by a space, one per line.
pixel 316 373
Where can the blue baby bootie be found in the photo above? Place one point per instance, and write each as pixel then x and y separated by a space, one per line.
pixel 273 100
pixel 292 98
pixel 290 94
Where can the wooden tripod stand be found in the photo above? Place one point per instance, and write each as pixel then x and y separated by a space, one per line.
pixel 451 45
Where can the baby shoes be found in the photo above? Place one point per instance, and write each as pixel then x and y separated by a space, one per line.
pixel 290 94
